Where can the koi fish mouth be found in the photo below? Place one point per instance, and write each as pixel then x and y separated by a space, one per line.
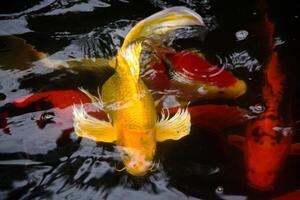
pixel 154 167
pixel 135 162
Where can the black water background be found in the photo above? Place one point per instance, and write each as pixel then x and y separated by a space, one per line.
pixel 61 166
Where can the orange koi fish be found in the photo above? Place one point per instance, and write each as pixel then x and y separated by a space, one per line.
pixel 269 135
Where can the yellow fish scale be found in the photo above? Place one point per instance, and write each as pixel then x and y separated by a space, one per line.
pixel 129 104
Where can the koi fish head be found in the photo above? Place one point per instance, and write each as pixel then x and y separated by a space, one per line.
pixel 267 145
pixel 136 163
pixel 138 149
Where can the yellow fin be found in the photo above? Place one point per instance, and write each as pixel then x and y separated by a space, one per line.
pixel 175 127
pixel 128 58
pixel 90 127
pixel 96 100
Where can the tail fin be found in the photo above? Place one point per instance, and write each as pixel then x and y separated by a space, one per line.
pixel 163 22
pixel 128 58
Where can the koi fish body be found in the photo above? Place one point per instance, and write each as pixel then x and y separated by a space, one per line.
pixel 133 124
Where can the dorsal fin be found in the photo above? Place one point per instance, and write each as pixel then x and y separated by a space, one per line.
pixel 128 60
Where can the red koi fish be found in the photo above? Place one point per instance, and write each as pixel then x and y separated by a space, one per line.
pixel 269 135
pixel 193 77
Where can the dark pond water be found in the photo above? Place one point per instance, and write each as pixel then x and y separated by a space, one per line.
pixel 51 162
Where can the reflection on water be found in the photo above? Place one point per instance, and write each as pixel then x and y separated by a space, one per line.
pixel 46 160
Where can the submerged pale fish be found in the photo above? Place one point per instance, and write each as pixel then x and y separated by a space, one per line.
pixel 133 124
pixel 16 53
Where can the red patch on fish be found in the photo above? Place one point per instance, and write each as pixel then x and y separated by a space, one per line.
pixel 197 68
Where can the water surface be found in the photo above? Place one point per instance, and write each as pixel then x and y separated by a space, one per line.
pixel 51 162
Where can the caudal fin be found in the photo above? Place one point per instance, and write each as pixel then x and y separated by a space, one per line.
pixel 162 23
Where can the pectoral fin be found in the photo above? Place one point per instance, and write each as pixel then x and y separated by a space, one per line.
pixel 96 100
pixel 237 141
pixel 175 127
pixel 295 149
pixel 90 127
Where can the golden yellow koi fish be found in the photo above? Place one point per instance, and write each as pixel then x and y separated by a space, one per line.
pixel 133 125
